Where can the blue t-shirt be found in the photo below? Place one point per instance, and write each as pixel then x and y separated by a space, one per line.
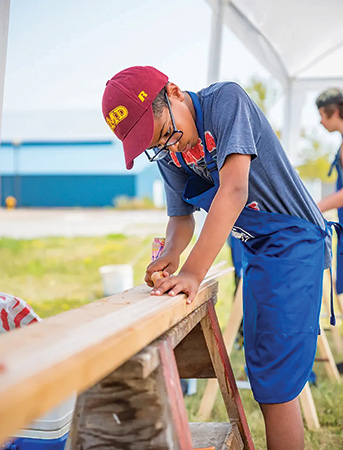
pixel 233 123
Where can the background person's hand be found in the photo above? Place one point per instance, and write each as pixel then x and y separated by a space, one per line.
pixel 184 282
pixel 166 263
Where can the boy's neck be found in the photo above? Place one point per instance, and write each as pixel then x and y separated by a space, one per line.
pixel 189 104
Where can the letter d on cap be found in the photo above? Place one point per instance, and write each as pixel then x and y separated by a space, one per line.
pixel 116 116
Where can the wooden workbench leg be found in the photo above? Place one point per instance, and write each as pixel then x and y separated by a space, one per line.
pixel 173 390
pixel 335 332
pixel 224 374
pixel 229 336
pixel 308 408
pixel 326 354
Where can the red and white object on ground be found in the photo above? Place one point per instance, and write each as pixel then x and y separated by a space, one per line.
pixel 15 313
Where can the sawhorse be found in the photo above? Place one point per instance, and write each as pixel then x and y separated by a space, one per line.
pixel 140 405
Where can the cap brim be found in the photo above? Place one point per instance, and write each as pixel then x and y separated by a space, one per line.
pixel 139 138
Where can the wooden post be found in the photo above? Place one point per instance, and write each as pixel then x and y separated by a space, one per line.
pixel 326 354
pixel 223 370
pixel 336 336
pixel 229 336
pixel 308 408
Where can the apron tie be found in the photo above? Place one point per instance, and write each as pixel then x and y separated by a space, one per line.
pixel 332 311
pixel 339 231
pixel 334 163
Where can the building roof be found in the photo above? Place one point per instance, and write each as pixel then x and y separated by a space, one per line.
pixel 67 157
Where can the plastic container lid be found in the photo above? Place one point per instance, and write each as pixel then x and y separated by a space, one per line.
pixel 54 420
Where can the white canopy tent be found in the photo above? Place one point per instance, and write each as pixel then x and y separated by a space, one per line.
pixel 299 42
pixel 4 15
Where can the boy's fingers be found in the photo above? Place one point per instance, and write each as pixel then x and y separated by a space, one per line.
pixel 175 290
pixel 179 288
pixel 190 298
pixel 163 285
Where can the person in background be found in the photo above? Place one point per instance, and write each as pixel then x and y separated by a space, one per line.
pixel 330 107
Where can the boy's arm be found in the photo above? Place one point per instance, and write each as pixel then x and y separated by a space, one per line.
pixel 228 203
pixel 179 233
pixel 332 201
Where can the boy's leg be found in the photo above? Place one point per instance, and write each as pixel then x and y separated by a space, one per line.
pixel 284 425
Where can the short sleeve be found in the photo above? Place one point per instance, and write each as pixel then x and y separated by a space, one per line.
pixel 236 122
pixel 174 179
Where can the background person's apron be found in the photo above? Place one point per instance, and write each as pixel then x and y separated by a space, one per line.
pixel 283 262
pixel 339 253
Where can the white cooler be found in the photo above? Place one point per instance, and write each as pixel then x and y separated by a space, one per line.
pixel 49 432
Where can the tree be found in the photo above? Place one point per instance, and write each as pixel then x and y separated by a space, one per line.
pixel 262 92
pixel 316 160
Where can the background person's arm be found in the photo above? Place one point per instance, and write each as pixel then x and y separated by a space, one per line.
pixel 332 201
pixel 179 233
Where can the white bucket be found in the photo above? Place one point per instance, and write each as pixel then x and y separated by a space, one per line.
pixel 116 278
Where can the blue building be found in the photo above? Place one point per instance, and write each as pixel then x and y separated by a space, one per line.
pixel 72 174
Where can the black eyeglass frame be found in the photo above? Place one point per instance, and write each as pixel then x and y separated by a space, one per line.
pixel 162 152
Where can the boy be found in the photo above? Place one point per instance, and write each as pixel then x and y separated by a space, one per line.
pixel 216 150
pixel 330 106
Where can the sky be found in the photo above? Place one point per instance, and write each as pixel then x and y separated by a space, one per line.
pixel 61 53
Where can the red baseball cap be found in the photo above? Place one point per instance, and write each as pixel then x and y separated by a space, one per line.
pixel 127 107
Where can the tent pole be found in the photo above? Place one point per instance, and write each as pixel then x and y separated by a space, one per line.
pixel 216 42
pixel 285 136
pixel 4 19
pixel 213 75
pixel 294 102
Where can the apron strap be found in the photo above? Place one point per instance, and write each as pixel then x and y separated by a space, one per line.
pixel 332 312
pixel 334 163
pixel 339 231
pixel 183 163
pixel 199 121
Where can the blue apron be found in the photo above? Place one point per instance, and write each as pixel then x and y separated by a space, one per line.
pixel 236 254
pixel 283 263
pixel 339 254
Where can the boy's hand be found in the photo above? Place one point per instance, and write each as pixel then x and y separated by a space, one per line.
pixel 184 282
pixel 166 263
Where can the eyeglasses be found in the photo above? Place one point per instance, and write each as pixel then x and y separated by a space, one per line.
pixel 161 151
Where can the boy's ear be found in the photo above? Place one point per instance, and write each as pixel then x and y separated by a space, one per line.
pixel 336 111
pixel 175 92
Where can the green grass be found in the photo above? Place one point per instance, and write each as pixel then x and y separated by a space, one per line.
pixel 57 274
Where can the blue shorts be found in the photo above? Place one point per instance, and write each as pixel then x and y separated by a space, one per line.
pixel 281 302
